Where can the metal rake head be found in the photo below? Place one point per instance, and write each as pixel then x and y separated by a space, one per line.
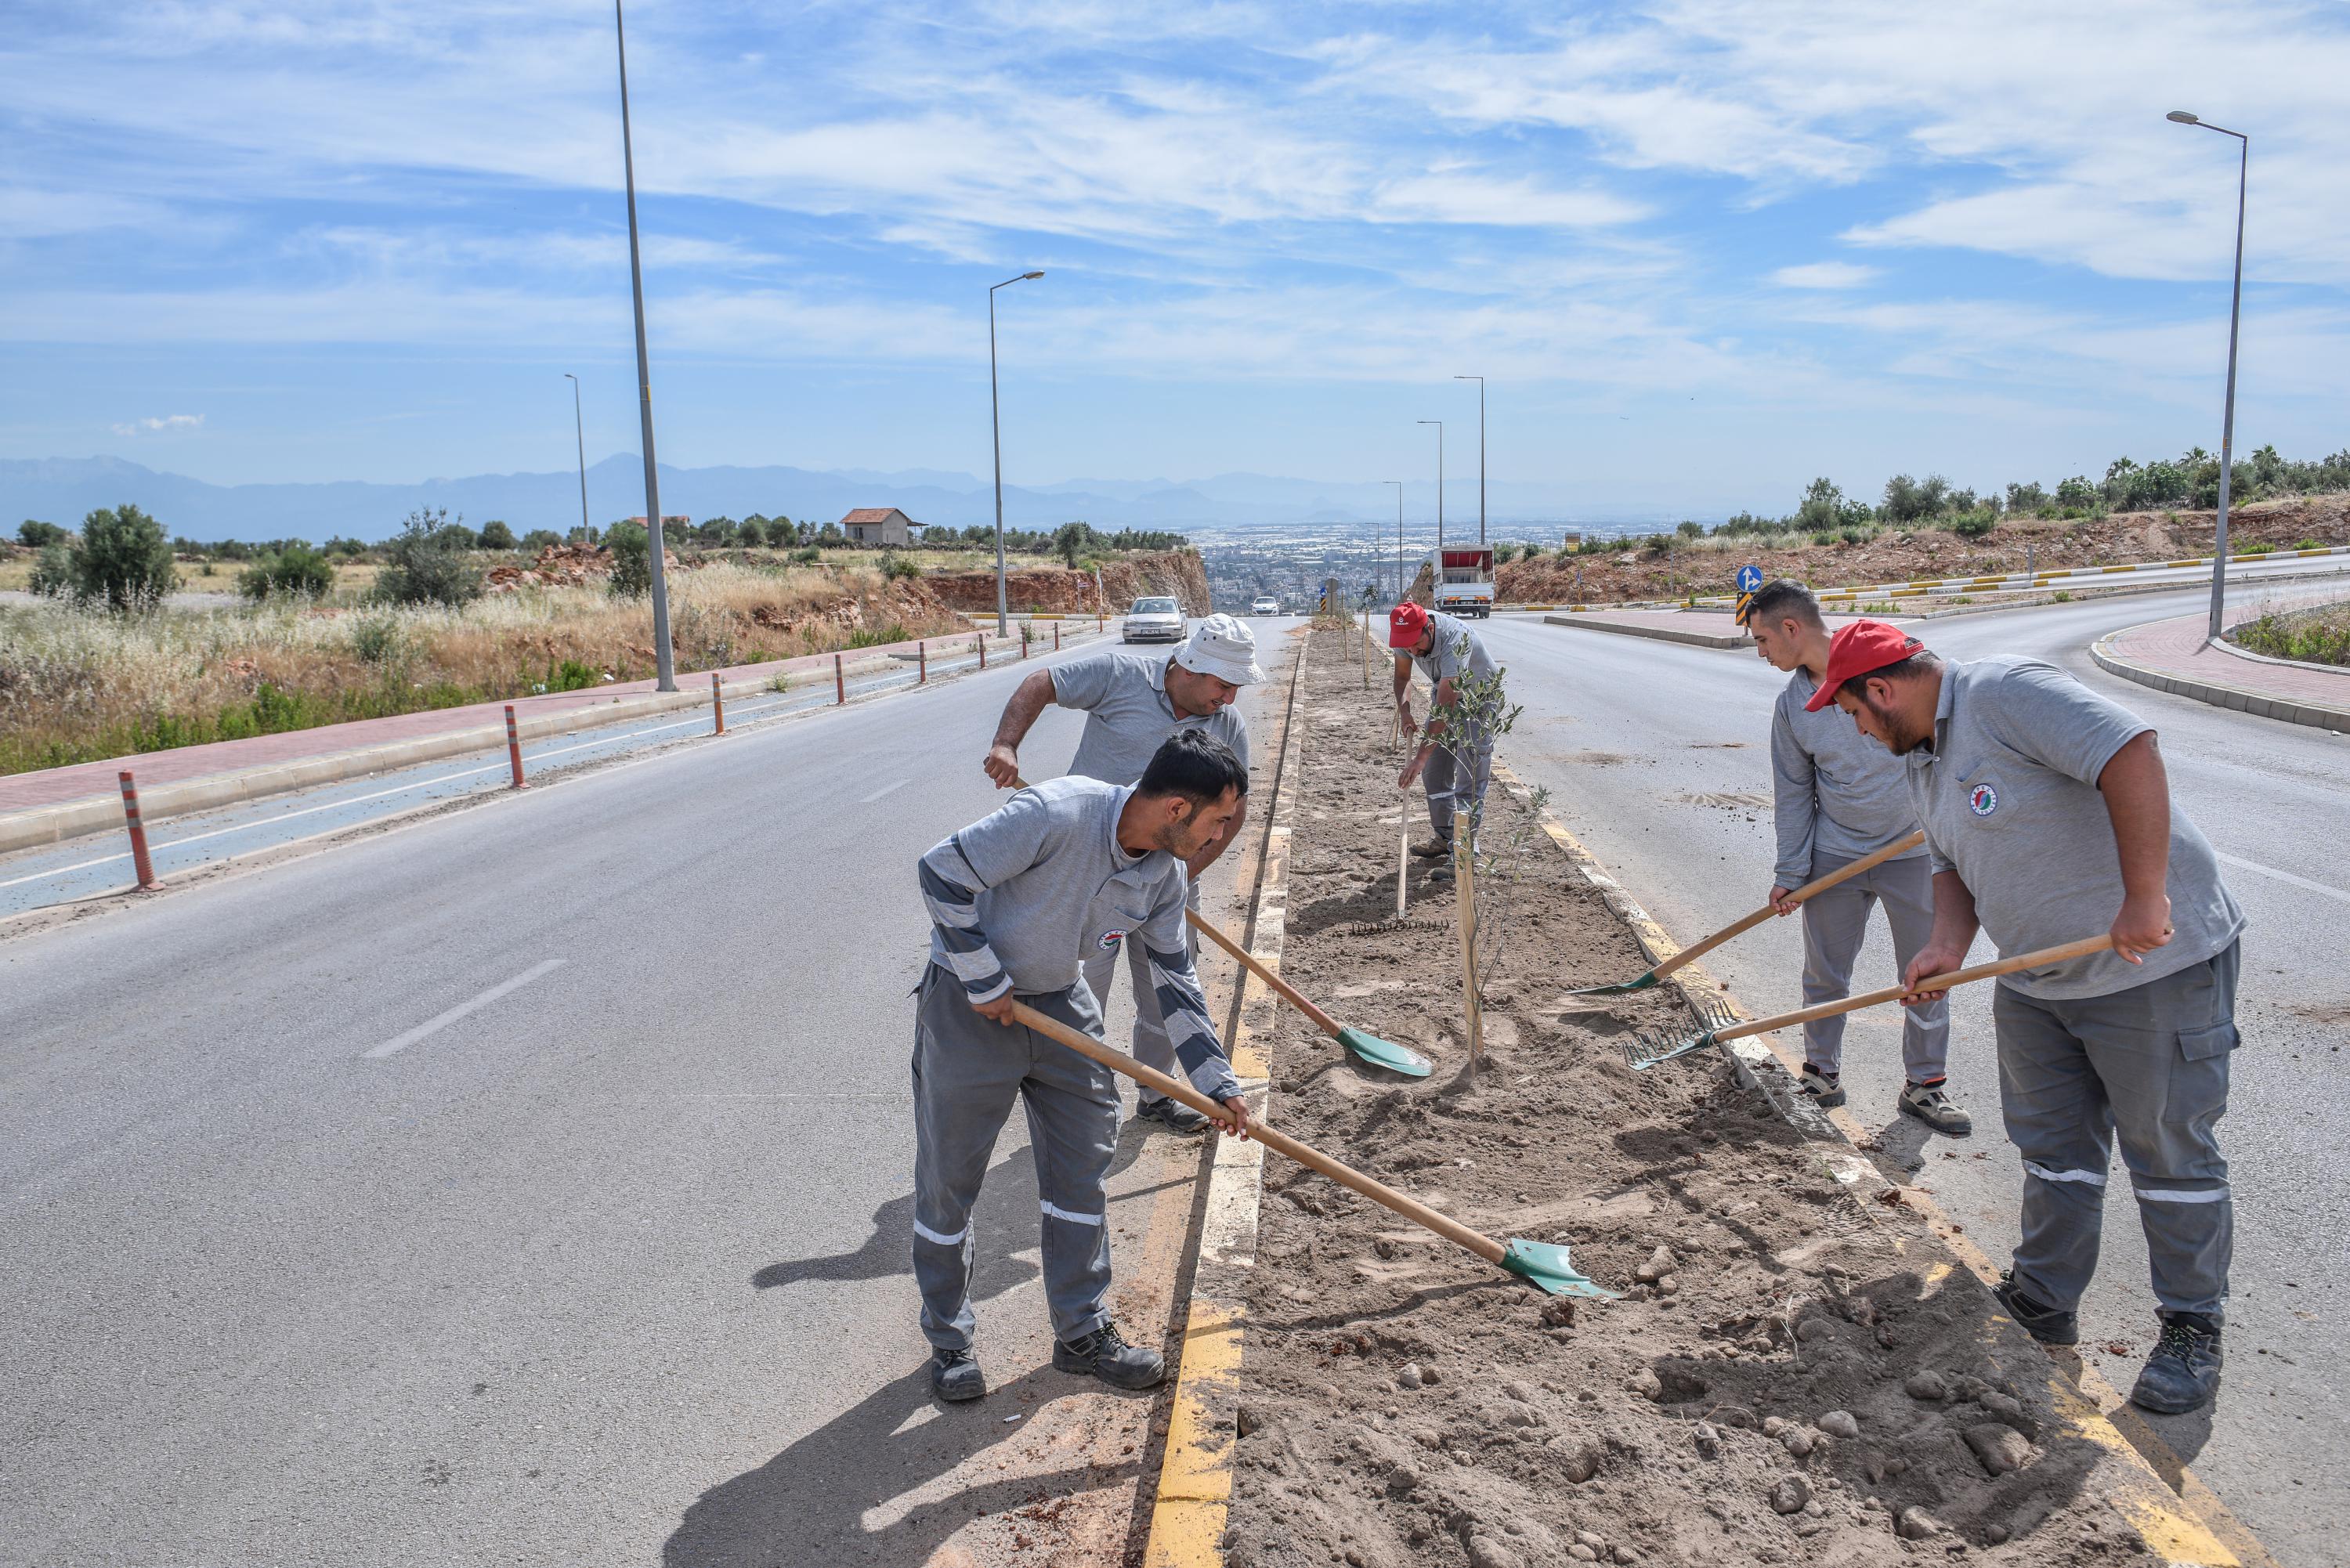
pixel 1647 1047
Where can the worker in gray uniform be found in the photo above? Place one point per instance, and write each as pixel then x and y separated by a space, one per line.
pixel 1070 866
pixel 2048 813
pixel 1836 796
pixel 1132 702
pixel 1456 749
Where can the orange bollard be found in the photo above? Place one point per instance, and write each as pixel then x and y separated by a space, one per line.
pixel 839 683
pixel 144 868
pixel 717 704
pixel 922 663
pixel 1025 627
pixel 982 650
pixel 1057 636
pixel 513 749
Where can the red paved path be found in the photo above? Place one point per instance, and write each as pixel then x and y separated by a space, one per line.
pixel 2176 647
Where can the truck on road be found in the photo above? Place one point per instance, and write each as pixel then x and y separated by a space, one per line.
pixel 1465 581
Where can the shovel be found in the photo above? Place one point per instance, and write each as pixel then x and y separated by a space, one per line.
pixel 1541 1264
pixel 1725 1028
pixel 1747 923
pixel 1363 1047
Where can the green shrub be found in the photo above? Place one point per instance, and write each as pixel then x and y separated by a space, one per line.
pixel 1824 536
pixel 1975 525
pixel 297 571
pixel 37 535
pixel 496 535
pixel 53 573
pixel 2063 596
pixel 376 639
pixel 426 563
pixel 2253 549
pixel 876 636
pixel 570 676
pixel 807 556
pixel 895 568
pixel 632 566
pixel 2309 545
pixel 1688 530
pixel 539 539
pixel 1857 536
pixel 124 560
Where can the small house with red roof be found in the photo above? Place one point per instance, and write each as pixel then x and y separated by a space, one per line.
pixel 879 525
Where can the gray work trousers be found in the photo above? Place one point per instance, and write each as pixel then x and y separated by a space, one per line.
pixel 1835 923
pixel 2149 1063
pixel 967 1070
pixel 1153 1047
pixel 1457 778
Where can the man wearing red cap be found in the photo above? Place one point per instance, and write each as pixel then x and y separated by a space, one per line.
pixel 2048 817
pixel 1457 766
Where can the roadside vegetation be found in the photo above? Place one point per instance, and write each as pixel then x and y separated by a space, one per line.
pixel 2318 636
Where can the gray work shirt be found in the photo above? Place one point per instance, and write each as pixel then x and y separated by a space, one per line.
pixel 1456 651
pixel 2008 798
pixel 1838 795
pixel 1128 715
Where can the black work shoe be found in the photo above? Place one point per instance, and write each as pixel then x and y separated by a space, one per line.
pixel 1433 848
pixel 1826 1089
pixel 1106 1355
pixel 2042 1322
pixel 955 1375
pixel 2183 1373
pixel 1166 1108
pixel 1930 1104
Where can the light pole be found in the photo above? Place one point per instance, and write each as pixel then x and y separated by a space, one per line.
pixel 664 663
pixel 1435 579
pixel 580 429
pixel 1481 455
pixel 2228 419
pixel 995 424
pixel 1399 484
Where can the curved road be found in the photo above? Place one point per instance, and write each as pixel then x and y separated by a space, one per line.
pixel 1658 756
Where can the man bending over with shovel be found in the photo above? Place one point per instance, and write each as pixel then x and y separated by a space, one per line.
pixel 1837 795
pixel 1069 867
pixel 1459 766
pixel 1132 702
pixel 2048 812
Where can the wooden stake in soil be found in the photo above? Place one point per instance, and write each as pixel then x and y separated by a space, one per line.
pixel 1464 879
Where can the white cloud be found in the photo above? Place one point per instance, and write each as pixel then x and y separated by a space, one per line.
pixel 1824 275
pixel 167 424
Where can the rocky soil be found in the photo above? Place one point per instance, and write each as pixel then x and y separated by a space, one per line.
pixel 1123 581
pixel 1794 1372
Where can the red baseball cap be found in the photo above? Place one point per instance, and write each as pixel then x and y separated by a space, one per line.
pixel 1405 623
pixel 1856 649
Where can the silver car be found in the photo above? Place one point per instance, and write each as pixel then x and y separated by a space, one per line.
pixel 1153 619
pixel 1266 604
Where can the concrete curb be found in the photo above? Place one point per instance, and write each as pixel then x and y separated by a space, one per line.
pixel 1655 633
pixel 1195 1475
pixel 2285 709
pixel 2188 1527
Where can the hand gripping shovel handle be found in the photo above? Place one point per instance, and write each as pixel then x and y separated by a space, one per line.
pixel 1281 1143
pixel 1873 859
pixel 2040 959
pixel 1256 966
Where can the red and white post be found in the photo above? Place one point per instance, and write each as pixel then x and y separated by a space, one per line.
pixel 513 749
pixel 717 705
pixel 139 861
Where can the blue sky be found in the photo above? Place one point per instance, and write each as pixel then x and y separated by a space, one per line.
pixel 1702 251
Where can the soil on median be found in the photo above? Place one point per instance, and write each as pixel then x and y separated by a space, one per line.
pixel 1795 1373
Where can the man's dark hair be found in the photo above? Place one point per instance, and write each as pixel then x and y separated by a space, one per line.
pixel 1922 660
pixel 1781 599
pixel 1195 765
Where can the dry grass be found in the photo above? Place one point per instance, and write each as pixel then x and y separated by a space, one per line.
pixel 77 686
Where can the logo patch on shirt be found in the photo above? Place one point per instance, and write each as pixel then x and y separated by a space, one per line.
pixel 1110 940
pixel 1984 800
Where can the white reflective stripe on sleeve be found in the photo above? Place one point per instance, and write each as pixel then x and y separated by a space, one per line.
pixel 927 1234
pixel 2093 1178
pixel 1058 1213
pixel 2166 1195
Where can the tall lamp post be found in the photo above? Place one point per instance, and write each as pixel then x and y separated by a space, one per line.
pixel 580 429
pixel 2228 419
pixel 995 424
pixel 664 662
pixel 1436 578
pixel 1481 455
pixel 1399 484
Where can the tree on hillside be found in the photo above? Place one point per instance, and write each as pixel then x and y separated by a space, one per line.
pixel 1822 506
pixel 35 535
pixel 426 561
pixel 496 535
pixel 633 559
pixel 539 539
pixel 1071 540
pixel 124 560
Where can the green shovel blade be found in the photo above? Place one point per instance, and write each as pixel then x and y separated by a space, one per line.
pixel 1385 1054
pixel 1642 983
pixel 1549 1269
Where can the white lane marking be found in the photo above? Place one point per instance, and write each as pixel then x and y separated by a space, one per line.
pixel 2335 893
pixel 885 789
pixel 432 1025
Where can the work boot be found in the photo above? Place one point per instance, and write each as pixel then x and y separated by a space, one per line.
pixel 1106 1355
pixel 1826 1089
pixel 2183 1373
pixel 1433 850
pixel 2044 1322
pixel 1929 1104
pixel 1166 1108
pixel 955 1375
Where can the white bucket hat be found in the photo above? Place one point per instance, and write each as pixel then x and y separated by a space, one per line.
pixel 1221 647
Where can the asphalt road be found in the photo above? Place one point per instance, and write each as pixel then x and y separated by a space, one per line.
pixel 511 1186
pixel 1657 756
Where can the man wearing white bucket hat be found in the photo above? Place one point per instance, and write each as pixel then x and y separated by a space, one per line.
pixel 1132 703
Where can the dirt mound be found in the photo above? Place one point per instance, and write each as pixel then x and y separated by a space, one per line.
pixel 1123 581
pixel 1897 556
pixel 1793 1374
pixel 558 566
pixel 904 603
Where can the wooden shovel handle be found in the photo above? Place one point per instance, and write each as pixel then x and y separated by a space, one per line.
pixel 1279 1142
pixel 2046 956
pixel 1256 966
pixel 1874 858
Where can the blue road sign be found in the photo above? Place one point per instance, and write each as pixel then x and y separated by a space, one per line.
pixel 1748 578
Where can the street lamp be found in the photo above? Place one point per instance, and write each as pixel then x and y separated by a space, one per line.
pixel 580 429
pixel 1481 455
pixel 664 663
pixel 2228 419
pixel 1435 579
pixel 995 422
pixel 1399 484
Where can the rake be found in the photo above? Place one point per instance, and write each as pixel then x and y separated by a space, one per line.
pixel 1648 1048
pixel 1543 1265
pixel 1746 923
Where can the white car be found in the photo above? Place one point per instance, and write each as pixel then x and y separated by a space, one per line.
pixel 1152 620
pixel 1265 604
